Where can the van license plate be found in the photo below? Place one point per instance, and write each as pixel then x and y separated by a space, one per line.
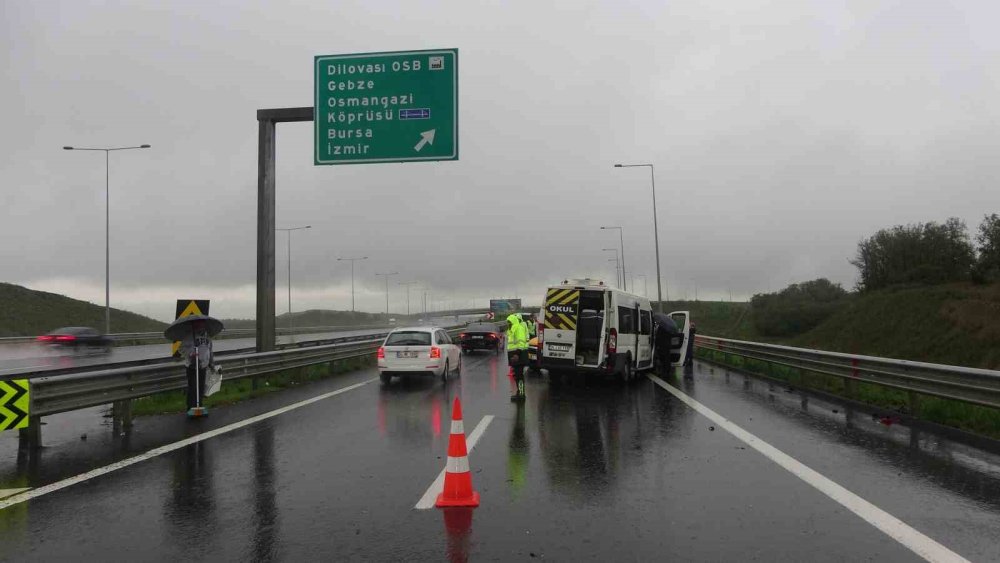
pixel 559 347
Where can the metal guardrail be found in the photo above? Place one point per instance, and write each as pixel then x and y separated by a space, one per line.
pixel 54 371
pixel 51 395
pixel 969 385
pixel 232 332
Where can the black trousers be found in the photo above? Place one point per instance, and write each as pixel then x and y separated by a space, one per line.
pixel 193 388
pixel 518 359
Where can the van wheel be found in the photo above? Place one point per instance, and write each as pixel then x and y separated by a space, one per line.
pixel 627 372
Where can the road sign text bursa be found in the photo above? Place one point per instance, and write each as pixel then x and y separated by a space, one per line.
pixel 386 107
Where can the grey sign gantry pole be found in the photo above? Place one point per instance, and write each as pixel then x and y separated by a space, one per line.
pixel 267 119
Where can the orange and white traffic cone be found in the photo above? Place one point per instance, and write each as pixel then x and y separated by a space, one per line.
pixel 457 478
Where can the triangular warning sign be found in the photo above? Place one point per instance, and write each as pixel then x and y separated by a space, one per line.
pixel 191 309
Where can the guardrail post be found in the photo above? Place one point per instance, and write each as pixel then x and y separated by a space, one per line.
pixel 913 400
pixel 121 416
pixel 30 438
pixel 851 385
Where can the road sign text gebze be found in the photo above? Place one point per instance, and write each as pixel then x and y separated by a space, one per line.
pixel 386 107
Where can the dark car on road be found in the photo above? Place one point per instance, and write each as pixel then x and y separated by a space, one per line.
pixel 77 338
pixel 482 336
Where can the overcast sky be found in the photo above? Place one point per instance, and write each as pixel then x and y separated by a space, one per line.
pixel 782 132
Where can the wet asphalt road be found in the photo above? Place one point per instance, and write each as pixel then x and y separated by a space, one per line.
pixel 585 471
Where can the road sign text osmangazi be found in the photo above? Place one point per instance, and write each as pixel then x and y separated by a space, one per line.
pixel 386 107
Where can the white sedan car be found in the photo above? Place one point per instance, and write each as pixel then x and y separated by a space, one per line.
pixel 418 351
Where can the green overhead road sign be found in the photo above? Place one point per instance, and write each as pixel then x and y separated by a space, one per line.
pixel 386 107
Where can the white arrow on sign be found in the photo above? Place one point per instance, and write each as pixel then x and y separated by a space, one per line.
pixel 425 137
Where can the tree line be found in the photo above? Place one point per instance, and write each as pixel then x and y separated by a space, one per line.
pixel 929 253
pixel 921 253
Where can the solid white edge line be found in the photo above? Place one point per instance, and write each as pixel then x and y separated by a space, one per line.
pixel 430 496
pixel 893 527
pixel 53 487
pixel 4 493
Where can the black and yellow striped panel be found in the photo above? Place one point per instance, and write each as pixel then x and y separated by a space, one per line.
pixel 561 308
pixel 14 401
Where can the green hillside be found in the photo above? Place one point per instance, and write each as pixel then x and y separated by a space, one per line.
pixel 718 318
pixel 26 312
pixel 956 324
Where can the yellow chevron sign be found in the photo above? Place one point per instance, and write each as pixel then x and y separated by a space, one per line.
pixel 192 307
pixel 15 397
pixel 561 308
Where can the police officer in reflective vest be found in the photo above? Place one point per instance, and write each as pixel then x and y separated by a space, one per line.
pixel 517 352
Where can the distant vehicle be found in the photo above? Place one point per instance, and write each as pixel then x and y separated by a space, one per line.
pixel 673 333
pixel 589 327
pixel 482 336
pixel 77 338
pixel 418 351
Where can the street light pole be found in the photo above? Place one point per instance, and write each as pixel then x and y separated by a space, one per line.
pixel 107 224
pixel 386 275
pixel 352 261
pixel 289 231
pixel 618 279
pixel 656 231
pixel 621 239
pixel 408 285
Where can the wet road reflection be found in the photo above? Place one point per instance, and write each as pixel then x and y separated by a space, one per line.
pixel 518 450
pixel 265 530
pixel 190 514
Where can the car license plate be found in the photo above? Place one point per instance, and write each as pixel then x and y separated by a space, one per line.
pixel 477 337
pixel 406 354
pixel 532 357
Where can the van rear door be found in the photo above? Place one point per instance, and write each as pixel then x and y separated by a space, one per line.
pixel 683 320
pixel 561 314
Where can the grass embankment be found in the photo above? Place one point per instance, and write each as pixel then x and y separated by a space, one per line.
pixel 972 418
pixel 724 319
pixel 241 389
pixel 956 324
pixel 27 312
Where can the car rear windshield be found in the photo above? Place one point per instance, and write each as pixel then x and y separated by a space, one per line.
pixel 481 328
pixel 409 338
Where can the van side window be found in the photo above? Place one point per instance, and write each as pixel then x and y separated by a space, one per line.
pixel 626 320
pixel 645 323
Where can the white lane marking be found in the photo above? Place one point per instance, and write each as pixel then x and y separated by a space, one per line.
pixel 53 487
pixel 893 527
pixel 430 496
pixel 4 493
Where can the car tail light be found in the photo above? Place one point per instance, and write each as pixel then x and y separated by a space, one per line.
pixel 381 353
pixel 462 336
pixel 45 338
pixel 492 335
pixel 435 352
pixel 65 338
pixel 612 341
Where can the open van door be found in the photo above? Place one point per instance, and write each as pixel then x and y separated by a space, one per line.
pixel 683 320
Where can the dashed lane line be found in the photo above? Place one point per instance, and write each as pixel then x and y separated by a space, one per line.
pixel 430 497
pixel 58 485
pixel 893 527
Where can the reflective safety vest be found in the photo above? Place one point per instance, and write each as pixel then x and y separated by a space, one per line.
pixel 517 334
